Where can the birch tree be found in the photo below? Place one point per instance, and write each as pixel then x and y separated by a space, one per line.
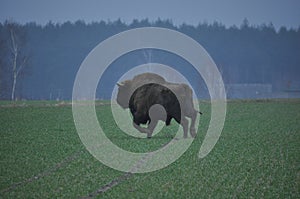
pixel 1 69
pixel 17 57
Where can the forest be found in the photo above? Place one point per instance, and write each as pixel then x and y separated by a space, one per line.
pixel 40 62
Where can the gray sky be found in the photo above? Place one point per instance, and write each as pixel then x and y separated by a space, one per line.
pixel 229 12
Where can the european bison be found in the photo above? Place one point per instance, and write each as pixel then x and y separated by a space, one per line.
pixel 150 98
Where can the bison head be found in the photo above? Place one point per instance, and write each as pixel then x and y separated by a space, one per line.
pixel 124 93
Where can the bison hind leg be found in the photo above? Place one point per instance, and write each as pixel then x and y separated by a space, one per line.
pixel 192 127
pixel 185 124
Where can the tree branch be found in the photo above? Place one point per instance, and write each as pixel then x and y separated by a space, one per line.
pixel 12 36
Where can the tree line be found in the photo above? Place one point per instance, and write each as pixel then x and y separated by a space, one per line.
pixel 41 61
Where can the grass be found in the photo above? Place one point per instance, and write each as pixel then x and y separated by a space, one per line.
pixel 257 155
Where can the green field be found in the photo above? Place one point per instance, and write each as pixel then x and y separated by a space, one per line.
pixel 257 155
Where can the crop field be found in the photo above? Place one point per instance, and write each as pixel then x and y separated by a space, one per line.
pixel 257 155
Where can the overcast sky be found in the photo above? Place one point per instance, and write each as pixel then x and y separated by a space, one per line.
pixel 229 12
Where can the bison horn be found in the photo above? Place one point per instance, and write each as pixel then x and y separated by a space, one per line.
pixel 120 84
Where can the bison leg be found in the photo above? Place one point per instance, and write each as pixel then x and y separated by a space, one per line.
pixel 141 129
pixel 192 127
pixel 151 127
pixel 185 124
pixel 149 130
pixel 168 120
pixel 156 112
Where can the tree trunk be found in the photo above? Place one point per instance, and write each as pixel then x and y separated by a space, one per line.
pixel 14 88
pixel 15 73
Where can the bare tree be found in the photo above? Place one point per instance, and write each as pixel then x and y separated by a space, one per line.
pixel 3 87
pixel 17 57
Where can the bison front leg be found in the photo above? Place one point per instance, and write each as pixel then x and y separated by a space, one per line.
pixel 141 129
pixel 140 118
pixel 151 127
pixel 156 112
pixel 149 130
